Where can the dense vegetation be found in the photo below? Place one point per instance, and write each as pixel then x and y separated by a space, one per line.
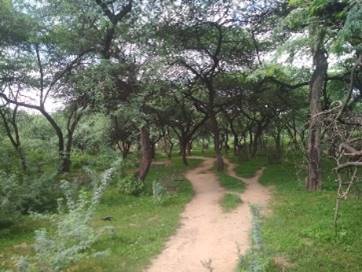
pixel 103 102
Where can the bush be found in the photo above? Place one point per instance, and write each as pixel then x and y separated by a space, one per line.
pixel 130 185
pixel 40 193
pixel 22 194
pixel 127 183
pixel 101 161
pixel 159 192
pixel 73 234
pixel 10 196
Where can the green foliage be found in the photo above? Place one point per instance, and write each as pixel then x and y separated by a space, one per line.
pixel 73 234
pixel 22 194
pixel 92 133
pixel 350 36
pixel 141 224
pixel 130 185
pixel 10 196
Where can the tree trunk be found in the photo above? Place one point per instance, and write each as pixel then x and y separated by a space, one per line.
pixel 255 143
pixel 23 161
pixel 65 163
pixel 169 152
pixel 217 145
pixel 15 140
pixel 278 146
pixel 236 145
pixel 66 160
pixel 183 151
pixel 317 85
pixel 250 141
pixel 278 143
pixel 153 150
pixel 59 133
pixel 226 142
pixel 146 154
pixel 124 147
pixel 189 148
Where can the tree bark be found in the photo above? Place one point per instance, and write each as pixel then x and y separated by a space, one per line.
pixel 124 147
pixel 317 85
pixel 189 148
pixel 153 150
pixel 256 141
pixel 183 151
pixel 146 154
pixel 169 152
pixel 217 145
pixel 73 119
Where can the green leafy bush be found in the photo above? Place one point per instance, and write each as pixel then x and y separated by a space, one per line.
pixel 73 233
pixel 10 196
pixel 130 185
pixel 126 182
pixel 23 194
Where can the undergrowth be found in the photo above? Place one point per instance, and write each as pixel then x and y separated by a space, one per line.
pixel 299 234
pixel 140 224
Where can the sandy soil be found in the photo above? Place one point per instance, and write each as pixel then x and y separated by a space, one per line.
pixel 209 239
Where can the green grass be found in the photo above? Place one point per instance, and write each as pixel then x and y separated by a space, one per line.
pixel 230 183
pixel 247 168
pixel 230 201
pixel 300 228
pixel 141 224
pixel 16 239
pixel 234 186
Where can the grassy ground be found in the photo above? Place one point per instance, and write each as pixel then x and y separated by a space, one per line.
pixel 141 224
pixel 299 234
pixel 230 201
pixel 249 167
pixel 234 186
pixel 230 183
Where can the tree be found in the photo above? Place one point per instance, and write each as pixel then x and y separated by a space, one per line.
pixel 204 49
pixel 9 117
pixel 320 20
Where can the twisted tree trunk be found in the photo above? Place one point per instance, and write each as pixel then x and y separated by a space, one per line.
pixel 317 84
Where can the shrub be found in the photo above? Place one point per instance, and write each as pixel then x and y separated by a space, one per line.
pixel 10 196
pixel 22 194
pixel 73 234
pixel 130 185
pixel 127 183
pixel 40 193
pixel 159 192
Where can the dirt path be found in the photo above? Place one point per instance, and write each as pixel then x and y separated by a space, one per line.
pixel 208 237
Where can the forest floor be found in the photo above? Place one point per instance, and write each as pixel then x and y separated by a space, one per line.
pixel 209 239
